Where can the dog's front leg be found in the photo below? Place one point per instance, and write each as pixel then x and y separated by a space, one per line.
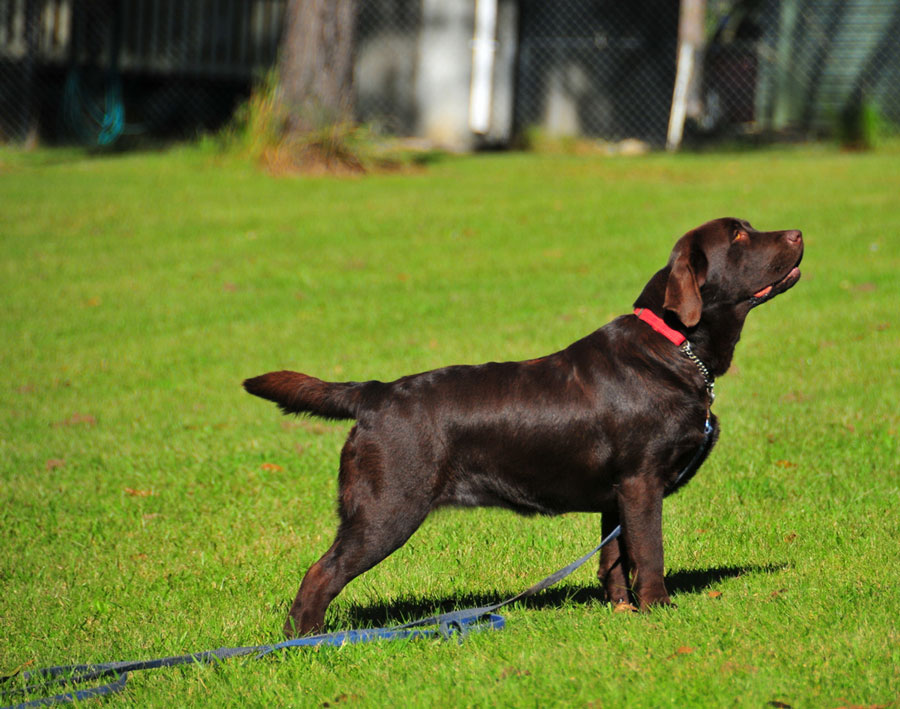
pixel 614 566
pixel 640 510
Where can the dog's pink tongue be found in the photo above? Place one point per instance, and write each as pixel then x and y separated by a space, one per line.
pixel 765 291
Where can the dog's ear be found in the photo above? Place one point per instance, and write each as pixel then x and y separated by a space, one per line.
pixel 687 274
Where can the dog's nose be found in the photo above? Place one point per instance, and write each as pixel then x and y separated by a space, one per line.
pixel 794 236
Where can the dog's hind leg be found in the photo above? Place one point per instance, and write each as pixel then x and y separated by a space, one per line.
pixel 376 520
pixel 361 543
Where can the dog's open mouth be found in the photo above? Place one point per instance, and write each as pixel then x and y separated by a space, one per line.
pixel 770 291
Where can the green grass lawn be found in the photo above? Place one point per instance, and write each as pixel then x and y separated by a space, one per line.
pixel 149 507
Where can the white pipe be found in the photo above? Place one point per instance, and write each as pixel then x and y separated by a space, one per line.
pixel 679 96
pixel 685 95
pixel 484 45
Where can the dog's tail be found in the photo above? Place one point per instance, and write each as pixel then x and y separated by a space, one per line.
pixel 297 393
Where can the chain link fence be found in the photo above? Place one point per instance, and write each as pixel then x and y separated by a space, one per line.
pixel 600 69
pixel 804 68
pixel 463 73
pixel 95 71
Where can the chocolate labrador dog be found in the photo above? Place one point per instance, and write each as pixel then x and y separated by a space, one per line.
pixel 604 425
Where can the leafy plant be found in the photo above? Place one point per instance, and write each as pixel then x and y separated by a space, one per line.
pixel 259 131
pixel 860 125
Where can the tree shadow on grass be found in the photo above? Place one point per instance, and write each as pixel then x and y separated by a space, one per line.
pixel 409 608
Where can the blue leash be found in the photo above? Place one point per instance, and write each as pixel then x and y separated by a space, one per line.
pixel 455 623
pixel 72 674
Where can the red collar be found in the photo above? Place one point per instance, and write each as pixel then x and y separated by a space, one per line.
pixel 656 322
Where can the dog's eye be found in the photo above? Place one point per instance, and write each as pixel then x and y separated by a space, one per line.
pixel 740 236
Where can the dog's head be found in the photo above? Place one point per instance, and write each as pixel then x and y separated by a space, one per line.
pixel 728 262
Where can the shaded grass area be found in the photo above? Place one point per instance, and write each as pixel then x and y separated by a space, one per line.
pixel 149 507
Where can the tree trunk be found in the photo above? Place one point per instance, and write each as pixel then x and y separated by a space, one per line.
pixel 316 63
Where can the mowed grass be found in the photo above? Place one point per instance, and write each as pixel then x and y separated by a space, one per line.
pixel 149 507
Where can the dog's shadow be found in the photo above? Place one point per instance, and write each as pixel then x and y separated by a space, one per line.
pixel 411 608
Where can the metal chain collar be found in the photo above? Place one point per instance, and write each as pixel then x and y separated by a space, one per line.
pixel 707 377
